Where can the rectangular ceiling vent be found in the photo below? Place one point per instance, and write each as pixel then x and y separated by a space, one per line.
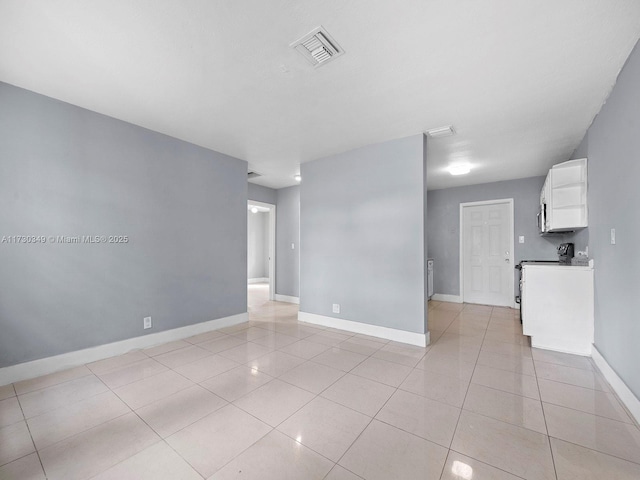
pixel 253 175
pixel 318 47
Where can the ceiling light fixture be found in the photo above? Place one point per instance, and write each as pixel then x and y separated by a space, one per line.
pixel 459 169
pixel 297 177
pixel 441 132
pixel 254 209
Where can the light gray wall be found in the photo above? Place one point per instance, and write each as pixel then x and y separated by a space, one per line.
pixel 362 235
pixel 262 194
pixel 68 171
pixel 258 245
pixel 613 149
pixel 443 234
pixel 288 232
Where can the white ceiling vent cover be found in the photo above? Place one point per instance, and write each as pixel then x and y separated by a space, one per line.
pixel 318 47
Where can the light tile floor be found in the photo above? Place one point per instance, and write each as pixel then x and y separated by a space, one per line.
pixel 278 399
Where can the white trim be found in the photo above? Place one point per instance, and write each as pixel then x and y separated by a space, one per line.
pixel 272 245
pixel 287 298
pixel 44 366
pixel 443 297
pixel 625 395
pixel 419 339
pixel 508 201
pixel 258 280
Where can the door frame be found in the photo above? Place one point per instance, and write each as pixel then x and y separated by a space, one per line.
pixel 509 202
pixel 272 244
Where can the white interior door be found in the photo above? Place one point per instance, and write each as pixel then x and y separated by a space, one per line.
pixel 486 252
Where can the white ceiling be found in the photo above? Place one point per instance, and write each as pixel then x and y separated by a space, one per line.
pixel 520 80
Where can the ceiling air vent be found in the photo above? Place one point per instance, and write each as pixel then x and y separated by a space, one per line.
pixel 318 47
pixel 253 175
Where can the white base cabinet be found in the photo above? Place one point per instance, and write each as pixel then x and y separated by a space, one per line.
pixel 557 307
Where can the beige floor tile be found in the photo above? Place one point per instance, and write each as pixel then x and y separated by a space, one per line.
pixel 296 330
pixel 573 376
pixel 508 337
pixel 7 391
pixel 173 413
pixel 326 427
pixel 468 328
pixel 25 468
pixel 341 473
pixel 305 349
pixel 274 402
pixel 597 433
pixel 132 373
pixel 361 346
pixel 152 389
pixel 276 457
pixel 510 382
pixel 325 339
pixel 275 363
pixel 206 367
pixel 165 348
pixel 389 373
pixel 41 401
pixel 559 358
pixel 45 381
pixel 103 366
pixel 462 342
pixel 467 354
pixel 184 355
pixel 69 420
pixel 276 340
pixel 517 450
pixel 578 463
pixel 446 365
pixel 521 365
pixel 370 338
pixel 312 376
pixel 221 344
pixel 506 348
pixel 235 328
pixel 460 467
pixel 431 420
pixel 10 411
pixel 246 352
pixel 252 333
pixel 236 383
pixel 515 409
pixel 438 387
pixel 358 393
pixel 384 452
pixel 15 442
pixel 213 441
pixel 403 354
pixel 205 337
pixel 340 359
pixel 157 462
pixel 95 450
pixel 584 399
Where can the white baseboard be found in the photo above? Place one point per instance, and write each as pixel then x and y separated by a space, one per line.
pixel 419 339
pixel 44 366
pixel 624 393
pixel 287 298
pixel 443 297
pixel 258 280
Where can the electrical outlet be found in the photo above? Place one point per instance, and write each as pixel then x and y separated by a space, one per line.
pixel 147 322
pixel 521 239
pixel 293 246
pixel 336 308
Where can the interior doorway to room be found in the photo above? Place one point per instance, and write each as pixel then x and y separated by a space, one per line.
pixel 261 249
pixel 486 252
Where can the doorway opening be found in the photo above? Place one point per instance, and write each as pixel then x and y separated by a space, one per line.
pixel 487 252
pixel 261 252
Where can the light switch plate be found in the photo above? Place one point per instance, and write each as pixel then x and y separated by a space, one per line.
pixel 613 236
pixel 336 308
pixel 521 239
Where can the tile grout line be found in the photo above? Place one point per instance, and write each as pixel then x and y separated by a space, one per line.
pixel 37 452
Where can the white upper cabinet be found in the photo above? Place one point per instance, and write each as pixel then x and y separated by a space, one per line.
pixel 564 197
